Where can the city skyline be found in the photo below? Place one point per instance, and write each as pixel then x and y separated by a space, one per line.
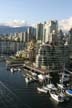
pixel 24 12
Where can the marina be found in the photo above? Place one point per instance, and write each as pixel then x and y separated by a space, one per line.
pixel 30 90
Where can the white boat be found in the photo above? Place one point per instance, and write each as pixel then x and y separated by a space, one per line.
pixel 12 70
pixel 41 77
pixel 51 86
pixel 19 69
pixel 41 90
pixel 34 74
pixel 45 88
pixel 61 86
pixel 28 80
pixel 57 97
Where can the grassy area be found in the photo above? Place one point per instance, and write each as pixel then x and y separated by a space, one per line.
pixel 14 59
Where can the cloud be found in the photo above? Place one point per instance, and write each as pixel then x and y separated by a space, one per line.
pixel 15 23
pixel 65 24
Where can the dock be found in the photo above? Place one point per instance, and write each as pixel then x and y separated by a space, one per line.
pixel 34 69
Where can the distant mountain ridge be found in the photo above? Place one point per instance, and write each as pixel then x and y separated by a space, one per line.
pixel 8 29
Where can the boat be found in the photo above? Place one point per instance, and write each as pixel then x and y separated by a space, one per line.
pixel 28 80
pixel 12 70
pixel 41 90
pixel 61 86
pixel 41 78
pixel 19 69
pixel 45 88
pixel 69 92
pixel 58 96
pixel 51 86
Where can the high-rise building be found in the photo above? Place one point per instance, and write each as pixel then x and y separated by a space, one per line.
pixel 39 31
pixel 25 36
pixel 30 33
pixel 49 28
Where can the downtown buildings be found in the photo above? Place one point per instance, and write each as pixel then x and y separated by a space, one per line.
pixel 44 31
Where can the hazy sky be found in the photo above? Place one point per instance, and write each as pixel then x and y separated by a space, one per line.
pixel 35 10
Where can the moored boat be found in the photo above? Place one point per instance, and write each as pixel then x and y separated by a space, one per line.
pixel 58 96
pixel 28 80
pixel 51 86
pixel 12 70
pixel 41 90
pixel 69 92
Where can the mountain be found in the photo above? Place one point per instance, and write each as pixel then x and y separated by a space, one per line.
pixel 8 29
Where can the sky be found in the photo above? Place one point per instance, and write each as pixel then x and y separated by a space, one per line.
pixel 33 11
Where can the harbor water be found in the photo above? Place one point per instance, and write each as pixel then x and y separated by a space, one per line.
pixel 15 93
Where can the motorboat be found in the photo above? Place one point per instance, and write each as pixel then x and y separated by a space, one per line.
pixel 41 77
pixel 69 92
pixel 41 90
pixel 28 80
pixel 12 70
pixel 58 97
pixel 61 86
pixel 46 88
pixel 19 69
pixel 51 86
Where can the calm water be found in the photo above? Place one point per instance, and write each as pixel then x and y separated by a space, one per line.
pixel 14 93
